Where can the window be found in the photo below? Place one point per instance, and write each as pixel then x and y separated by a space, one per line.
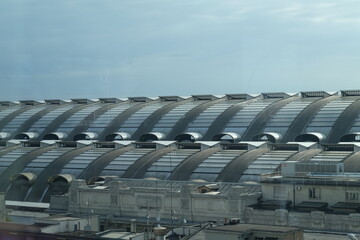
pixel 352 196
pixel 314 193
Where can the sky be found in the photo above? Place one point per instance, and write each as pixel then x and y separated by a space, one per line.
pixel 130 48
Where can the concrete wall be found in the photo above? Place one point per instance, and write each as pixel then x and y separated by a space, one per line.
pixel 2 207
pixel 308 220
pixel 300 192
pixel 121 201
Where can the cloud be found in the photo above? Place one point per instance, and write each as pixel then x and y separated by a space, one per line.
pixel 138 47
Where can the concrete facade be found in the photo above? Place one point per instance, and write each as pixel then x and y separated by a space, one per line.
pixel 183 204
pixel 2 207
pixel 315 220
pixel 253 232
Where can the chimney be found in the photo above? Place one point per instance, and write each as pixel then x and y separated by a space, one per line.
pixel 160 232
pixel 133 226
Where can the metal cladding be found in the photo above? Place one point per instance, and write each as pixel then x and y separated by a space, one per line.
pixel 228 138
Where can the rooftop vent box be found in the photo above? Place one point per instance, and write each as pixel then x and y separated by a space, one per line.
pixel 288 168
pixel 110 100
pixel 275 95
pixel 29 102
pixel 320 167
pixel 54 101
pixel 140 99
pixel 82 101
pixel 170 98
pixel 314 94
pixel 7 103
pixel 204 97
pixel 345 93
pixel 238 96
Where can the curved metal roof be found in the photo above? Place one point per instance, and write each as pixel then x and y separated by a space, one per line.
pixel 276 117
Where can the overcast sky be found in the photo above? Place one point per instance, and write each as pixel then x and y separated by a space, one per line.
pixel 121 48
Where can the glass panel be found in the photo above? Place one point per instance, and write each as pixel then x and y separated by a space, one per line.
pixel 120 164
pixel 133 122
pixel 82 161
pixel 266 163
pixel 105 119
pixel 326 117
pixel 240 122
pixel 169 162
pixel 21 118
pixel 72 122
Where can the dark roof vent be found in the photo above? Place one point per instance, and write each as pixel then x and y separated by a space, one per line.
pixel 314 94
pixel 347 93
pixel 204 97
pixel 351 137
pixel 152 136
pixel 104 144
pixel 82 101
pixel 117 136
pixel 227 137
pixel 338 147
pixel 110 100
pixel 29 178
pixel 310 137
pixel 69 144
pixel 68 178
pixel 55 136
pixel 86 136
pixel 7 103
pixel 140 99
pixel 54 102
pixel 188 137
pixel 30 144
pixel 284 146
pixel 234 146
pixel 26 136
pixel 188 145
pixel 268 136
pixel 170 98
pixel 145 145
pixel 29 102
pixel 238 96
pixel 275 95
